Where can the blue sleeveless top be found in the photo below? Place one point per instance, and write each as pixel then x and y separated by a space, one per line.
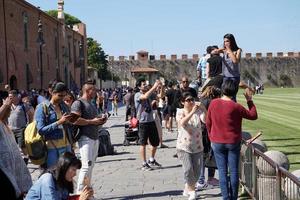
pixel 229 68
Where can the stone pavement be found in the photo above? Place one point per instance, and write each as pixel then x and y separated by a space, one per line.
pixel 120 176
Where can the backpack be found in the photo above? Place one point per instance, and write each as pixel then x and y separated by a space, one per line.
pixel 105 146
pixel 75 129
pixel 35 143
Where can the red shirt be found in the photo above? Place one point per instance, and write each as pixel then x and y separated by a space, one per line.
pixel 224 120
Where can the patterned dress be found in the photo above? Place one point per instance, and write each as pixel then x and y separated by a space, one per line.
pixel 11 162
pixel 190 136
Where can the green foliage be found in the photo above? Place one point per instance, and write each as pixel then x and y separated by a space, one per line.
pixel 97 59
pixel 278 117
pixel 272 80
pixel 285 81
pixel 69 19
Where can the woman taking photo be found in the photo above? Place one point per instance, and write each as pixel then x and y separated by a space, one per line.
pixel 189 141
pixel 231 59
pixel 224 125
pixel 15 179
pixel 51 118
pixel 57 184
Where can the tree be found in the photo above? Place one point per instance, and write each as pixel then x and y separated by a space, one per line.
pixel 97 59
pixel 69 19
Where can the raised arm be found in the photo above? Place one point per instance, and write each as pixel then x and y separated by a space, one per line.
pixel 149 92
pixel 234 56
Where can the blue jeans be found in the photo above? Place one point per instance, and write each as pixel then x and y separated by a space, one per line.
pixel 53 155
pixel 227 156
pixel 211 172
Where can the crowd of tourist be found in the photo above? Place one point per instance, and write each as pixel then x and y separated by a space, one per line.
pixel 204 113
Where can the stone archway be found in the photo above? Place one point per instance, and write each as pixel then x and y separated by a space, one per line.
pixel 13 82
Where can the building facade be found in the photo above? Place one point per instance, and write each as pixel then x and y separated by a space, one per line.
pixel 36 48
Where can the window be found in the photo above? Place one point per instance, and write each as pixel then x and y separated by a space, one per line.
pixel 55 44
pixel 69 53
pixel 25 24
pixel 29 78
pixel 74 52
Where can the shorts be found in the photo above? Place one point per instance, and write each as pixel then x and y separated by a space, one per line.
pixel 171 111
pixel 19 136
pixel 149 131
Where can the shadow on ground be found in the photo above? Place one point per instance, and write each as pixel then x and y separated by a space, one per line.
pixel 103 161
pixel 170 167
pixel 280 139
pixel 149 195
pixel 164 194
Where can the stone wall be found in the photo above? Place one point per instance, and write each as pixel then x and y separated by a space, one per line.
pixel 270 71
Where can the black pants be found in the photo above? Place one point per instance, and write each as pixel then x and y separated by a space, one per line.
pixel 7 190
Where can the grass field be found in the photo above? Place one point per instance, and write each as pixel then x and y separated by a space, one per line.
pixel 279 119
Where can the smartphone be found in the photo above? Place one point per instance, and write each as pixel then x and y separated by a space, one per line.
pixel 73 117
pixel 162 80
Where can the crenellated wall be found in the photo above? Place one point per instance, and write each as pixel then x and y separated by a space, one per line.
pixel 281 69
pixel 197 56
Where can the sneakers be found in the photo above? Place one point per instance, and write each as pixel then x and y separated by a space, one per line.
pixel 146 167
pixel 192 195
pixel 154 163
pixel 185 193
pixel 213 182
pixel 203 186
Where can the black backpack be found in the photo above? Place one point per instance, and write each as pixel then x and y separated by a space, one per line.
pixel 75 129
pixel 105 146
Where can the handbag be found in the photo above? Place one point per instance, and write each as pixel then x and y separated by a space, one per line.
pixel 134 122
pixel 210 161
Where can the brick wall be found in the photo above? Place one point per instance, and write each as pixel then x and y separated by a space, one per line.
pixel 59 55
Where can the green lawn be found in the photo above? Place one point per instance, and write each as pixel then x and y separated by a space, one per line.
pixel 279 119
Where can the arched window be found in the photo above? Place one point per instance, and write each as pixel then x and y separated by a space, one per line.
pixel 25 24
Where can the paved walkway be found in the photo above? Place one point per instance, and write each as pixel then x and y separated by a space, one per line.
pixel 120 177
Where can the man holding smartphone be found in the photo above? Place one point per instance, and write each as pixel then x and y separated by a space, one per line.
pixel 147 127
pixel 89 123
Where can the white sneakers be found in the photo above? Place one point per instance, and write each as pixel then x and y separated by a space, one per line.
pixel 203 186
pixel 191 194
pixel 185 193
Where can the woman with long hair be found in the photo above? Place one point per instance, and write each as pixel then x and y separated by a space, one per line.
pixel 57 183
pixel 231 59
pixel 15 179
pixel 210 93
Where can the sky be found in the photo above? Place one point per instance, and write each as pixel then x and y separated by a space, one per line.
pixel 123 27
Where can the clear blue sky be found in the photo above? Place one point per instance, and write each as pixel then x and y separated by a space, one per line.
pixel 124 27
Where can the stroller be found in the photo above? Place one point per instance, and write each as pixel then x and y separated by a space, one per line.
pixel 131 134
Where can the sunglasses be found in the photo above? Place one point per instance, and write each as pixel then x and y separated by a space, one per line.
pixel 185 81
pixel 190 100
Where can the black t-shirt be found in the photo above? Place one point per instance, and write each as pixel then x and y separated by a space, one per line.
pixel 170 94
pixel 215 65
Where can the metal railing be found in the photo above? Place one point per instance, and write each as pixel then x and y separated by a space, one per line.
pixel 263 179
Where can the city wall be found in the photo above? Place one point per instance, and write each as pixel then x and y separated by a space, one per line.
pixel 275 70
